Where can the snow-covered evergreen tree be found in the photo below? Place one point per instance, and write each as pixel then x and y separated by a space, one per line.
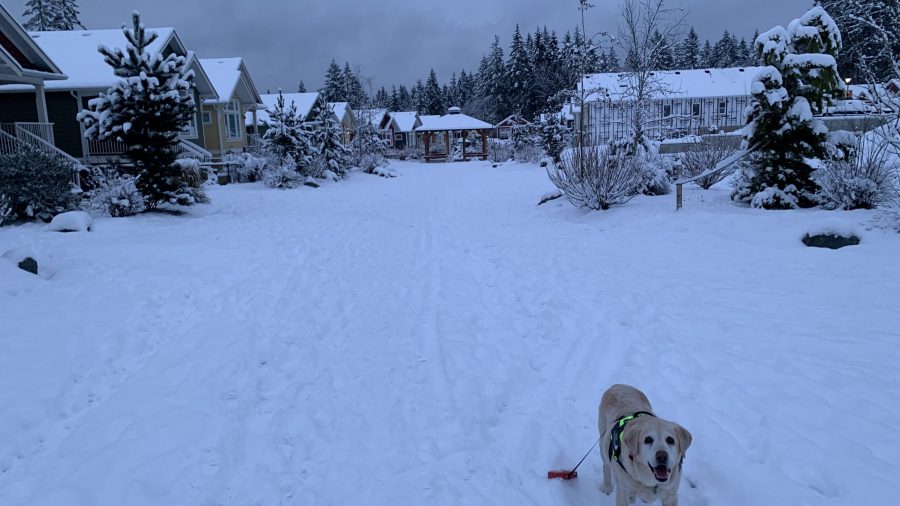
pixel 518 71
pixel 555 136
pixel 301 88
pixel 688 53
pixel 287 137
pixel 799 81
pixel 353 91
pixel 149 106
pixel 871 36
pixel 333 90
pixel 432 97
pixel 328 140
pixel 51 15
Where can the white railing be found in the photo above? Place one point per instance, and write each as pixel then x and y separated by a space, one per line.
pixel 187 149
pixel 254 143
pixel 43 131
pixel 108 147
pixel 15 136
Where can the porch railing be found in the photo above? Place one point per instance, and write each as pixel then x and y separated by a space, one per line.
pixel 112 148
pixel 15 136
pixel 254 143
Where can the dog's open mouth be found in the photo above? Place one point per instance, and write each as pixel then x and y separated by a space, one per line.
pixel 661 473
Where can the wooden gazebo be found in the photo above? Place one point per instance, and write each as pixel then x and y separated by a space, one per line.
pixel 447 128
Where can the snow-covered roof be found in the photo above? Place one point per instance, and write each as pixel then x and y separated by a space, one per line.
pixel 20 56
pixel 453 122
pixel 229 77
pixel 405 121
pixel 76 54
pixel 699 83
pixel 373 116
pixel 341 110
pixel 303 101
pixel 428 119
pixel 513 120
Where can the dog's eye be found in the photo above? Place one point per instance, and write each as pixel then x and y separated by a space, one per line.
pixel 648 440
pixel 670 440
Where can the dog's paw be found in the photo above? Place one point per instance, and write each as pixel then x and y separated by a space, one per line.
pixel 606 488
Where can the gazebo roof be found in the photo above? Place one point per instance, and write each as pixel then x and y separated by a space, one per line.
pixel 454 122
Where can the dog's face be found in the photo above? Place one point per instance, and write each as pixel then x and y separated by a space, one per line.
pixel 654 448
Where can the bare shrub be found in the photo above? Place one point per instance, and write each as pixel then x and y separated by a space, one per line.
pixel 597 177
pixel 705 155
pixel 866 178
pixel 499 150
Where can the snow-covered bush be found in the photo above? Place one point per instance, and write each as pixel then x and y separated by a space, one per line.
pixel 800 79
pixel 526 144
pixel 288 137
pixel 865 178
pixel 244 167
pixel 5 208
pixel 597 177
pixel 152 102
pixel 555 136
pixel 656 173
pixel 35 184
pixel 500 150
pixel 328 140
pixel 704 155
pixel 113 193
pixel 281 172
pixel 368 149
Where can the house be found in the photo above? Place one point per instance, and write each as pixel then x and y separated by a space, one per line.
pixel 222 117
pixel 688 102
pixel 379 119
pixel 304 102
pixel 504 129
pixel 25 65
pixel 402 130
pixel 75 52
pixel 344 115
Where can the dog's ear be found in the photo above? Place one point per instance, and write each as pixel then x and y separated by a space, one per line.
pixel 631 438
pixel 684 437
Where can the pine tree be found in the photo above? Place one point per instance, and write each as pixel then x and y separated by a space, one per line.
pixel 404 101
pixel 432 99
pixel 149 106
pixel 353 92
pixel 68 15
pixel 707 56
pixel 613 58
pixel 52 15
pixel 689 51
pixel 301 88
pixel 744 56
pixel 328 141
pixel 418 98
pixel 288 143
pixel 864 25
pixel 517 74
pixel 800 77
pixel 665 59
pixel 334 90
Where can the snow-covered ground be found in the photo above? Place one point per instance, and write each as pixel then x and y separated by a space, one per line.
pixel 440 339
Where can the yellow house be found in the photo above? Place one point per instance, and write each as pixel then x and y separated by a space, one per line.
pixel 223 118
pixel 345 116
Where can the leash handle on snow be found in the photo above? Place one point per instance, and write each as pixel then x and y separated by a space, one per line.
pixel 568 475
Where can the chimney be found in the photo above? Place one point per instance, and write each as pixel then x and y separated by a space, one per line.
pixel 454 110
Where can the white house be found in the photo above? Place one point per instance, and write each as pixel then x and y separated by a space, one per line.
pixel 686 102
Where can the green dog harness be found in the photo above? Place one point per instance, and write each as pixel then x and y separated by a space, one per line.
pixel 615 436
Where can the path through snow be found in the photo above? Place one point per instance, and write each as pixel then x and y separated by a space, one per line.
pixel 439 339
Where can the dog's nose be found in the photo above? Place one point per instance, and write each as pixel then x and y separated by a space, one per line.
pixel 662 457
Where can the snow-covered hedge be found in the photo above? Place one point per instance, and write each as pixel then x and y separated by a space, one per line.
pixel 865 177
pixel 35 185
pixel 112 193
pixel 500 150
pixel 244 167
pixel 282 173
pixel 597 177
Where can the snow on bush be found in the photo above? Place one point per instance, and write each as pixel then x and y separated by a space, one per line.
pixel 386 172
pixel 555 136
pixel 656 173
pixel 113 193
pixel 526 143
pixel 72 221
pixel 5 208
pixel 704 155
pixel 597 178
pixel 282 173
pixel 865 177
pixel 500 150
pixel 368 149
pixel 35 185
pixel 244 167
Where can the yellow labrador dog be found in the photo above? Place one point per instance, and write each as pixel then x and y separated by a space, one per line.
pixel 642 454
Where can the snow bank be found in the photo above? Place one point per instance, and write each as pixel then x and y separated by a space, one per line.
pixel 834 226
pixel 72 221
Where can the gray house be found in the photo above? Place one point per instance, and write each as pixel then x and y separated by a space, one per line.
pixel 75 52
pixel 23 64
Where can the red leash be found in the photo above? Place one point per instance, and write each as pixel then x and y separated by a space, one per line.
pixel 568 475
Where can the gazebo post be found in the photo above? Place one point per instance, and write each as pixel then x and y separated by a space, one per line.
pixel 464 134
pixel 448 147
pixel 484 145
pixel 427 138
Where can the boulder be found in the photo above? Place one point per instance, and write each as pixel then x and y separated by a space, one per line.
pixel 830 241
pixel 29 265
pixel 23 258
pixel 312 183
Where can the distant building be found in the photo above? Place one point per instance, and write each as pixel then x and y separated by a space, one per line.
pixel 689 102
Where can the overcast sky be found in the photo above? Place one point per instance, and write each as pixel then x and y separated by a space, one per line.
pixel 395 41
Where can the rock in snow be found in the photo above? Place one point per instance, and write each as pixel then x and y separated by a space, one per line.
pixel 832 234
pixel 72 221
pixel 24 259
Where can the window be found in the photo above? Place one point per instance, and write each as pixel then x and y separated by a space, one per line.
pixel 695 109
pixel 233 120
pixel 723 107
pixel 667 110
pixel 207 118
pixel 190 130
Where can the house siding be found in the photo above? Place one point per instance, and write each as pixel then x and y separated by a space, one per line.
pixel 62 109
